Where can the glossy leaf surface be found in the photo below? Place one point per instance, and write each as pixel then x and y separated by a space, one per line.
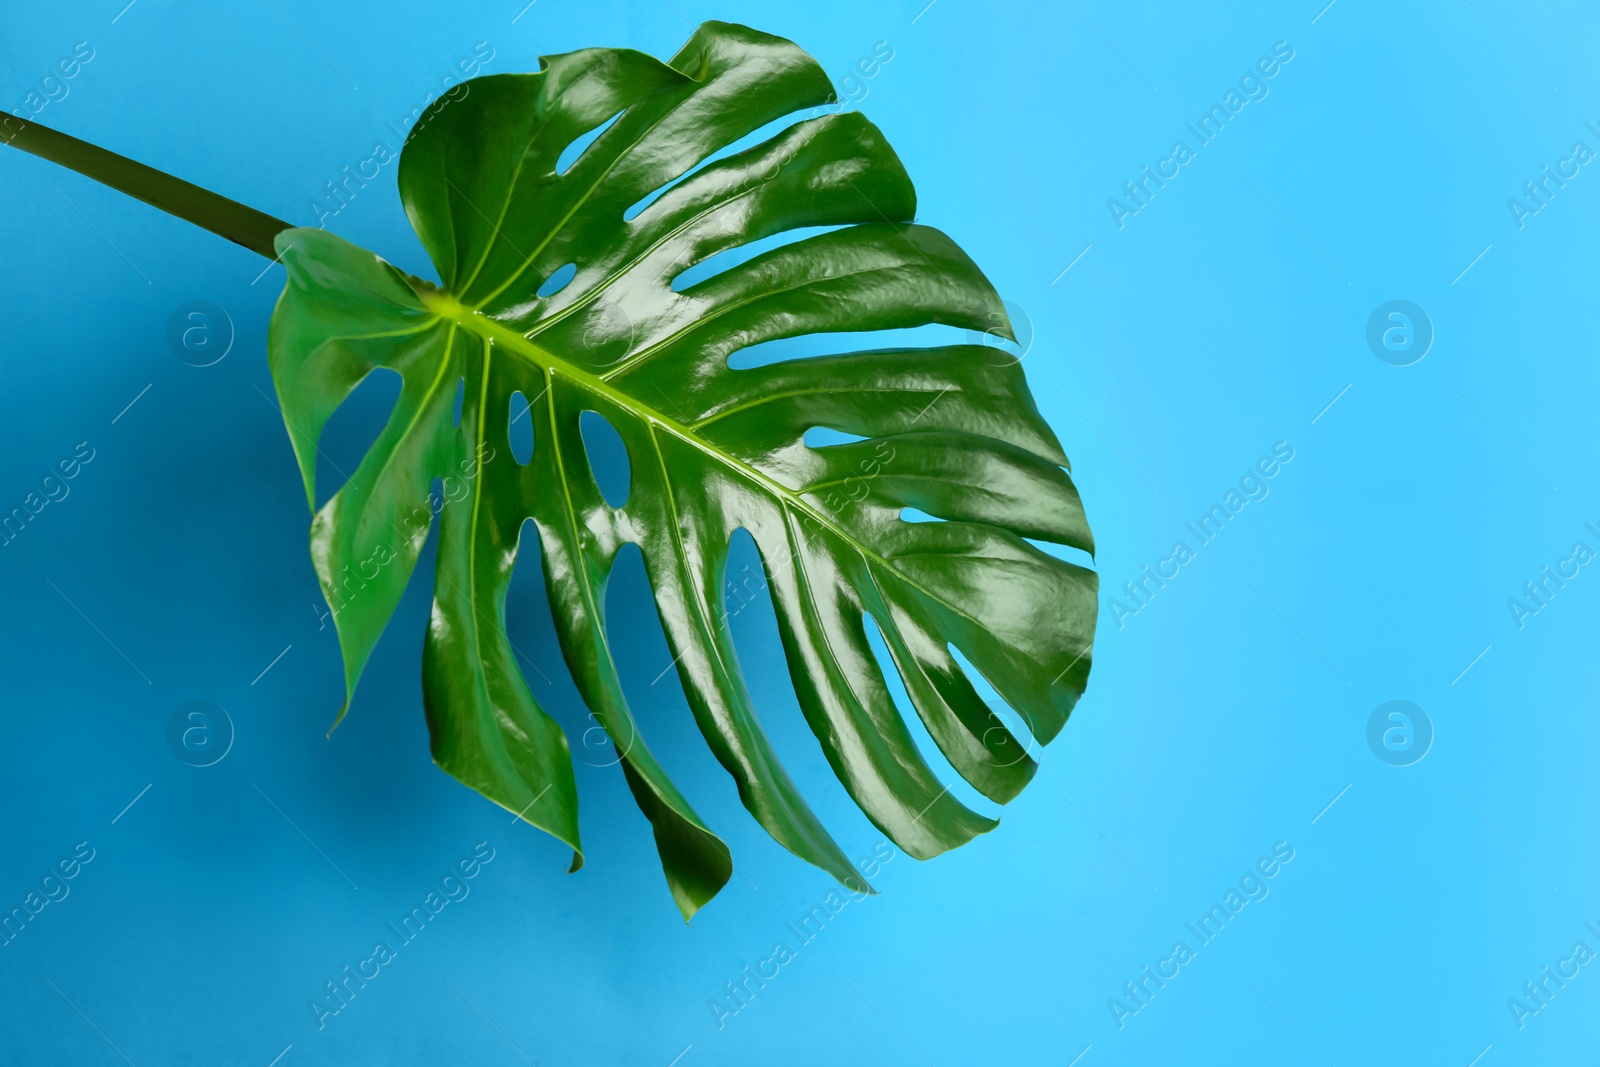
pixel 557 283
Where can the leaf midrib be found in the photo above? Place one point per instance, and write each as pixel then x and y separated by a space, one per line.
pixel 449 310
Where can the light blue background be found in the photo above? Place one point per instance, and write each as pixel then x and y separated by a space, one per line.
pixel 1221 719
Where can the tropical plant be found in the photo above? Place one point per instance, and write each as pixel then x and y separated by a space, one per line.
pixel 557 296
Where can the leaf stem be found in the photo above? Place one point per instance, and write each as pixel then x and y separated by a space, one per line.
pixel 226 218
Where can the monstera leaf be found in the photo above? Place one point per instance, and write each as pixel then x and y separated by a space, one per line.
pixel 950 431
pixel 560 295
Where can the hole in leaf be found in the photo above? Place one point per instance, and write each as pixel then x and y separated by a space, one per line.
pixel 520 429
pixel 732 257
pixel 530 627
pixel 354 428
pixel 529 624
pixel 913 515
pixel 645 201
pixel 569 155
pixel 558 281
pixel 933 335
pixel 1019 726
pixel 1065 552
pixel 822 437
pixel 755 137
pixel 748 613
pixel 650 682
pixel 931 753
pixel 531 632
pixel 744 582
pixel 461 399
pixel 608 457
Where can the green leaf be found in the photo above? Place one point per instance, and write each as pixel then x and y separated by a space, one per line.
pixel 951 431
